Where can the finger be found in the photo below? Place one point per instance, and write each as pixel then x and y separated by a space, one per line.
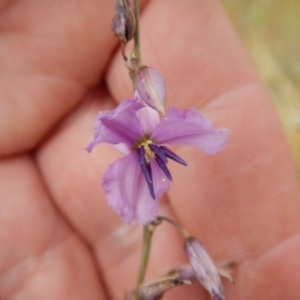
pixel 40 256
pixel 51 53
pixel 246 199
pixel 270 276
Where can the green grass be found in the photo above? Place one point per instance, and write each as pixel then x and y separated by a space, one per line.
pixel 270 30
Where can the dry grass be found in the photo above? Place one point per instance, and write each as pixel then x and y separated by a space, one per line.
pixel 270 30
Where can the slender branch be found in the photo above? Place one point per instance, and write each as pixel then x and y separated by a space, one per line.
pixel 137 46
pixel 135 62
pixel 159 219
pixel 148 231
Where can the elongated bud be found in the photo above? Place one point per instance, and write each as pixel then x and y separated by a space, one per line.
pixel 123 23
pixel 151 88
pixel 204 267
pixel 155 289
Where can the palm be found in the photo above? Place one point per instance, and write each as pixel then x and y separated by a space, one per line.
pixel 58 238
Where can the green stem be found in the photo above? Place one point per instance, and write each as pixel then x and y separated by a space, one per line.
pixel 148 231
pixel 137 48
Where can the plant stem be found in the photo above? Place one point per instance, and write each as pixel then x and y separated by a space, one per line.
pixel 137 49
pixel 135 61
pixel 183 231
pixel 148 231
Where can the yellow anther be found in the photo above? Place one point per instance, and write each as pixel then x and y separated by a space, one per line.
pixel 148 151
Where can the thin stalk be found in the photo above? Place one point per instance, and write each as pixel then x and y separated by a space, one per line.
pixel 148 231
pixel 161 218
pixel 137 47
pixel 185 234
pixel 135 61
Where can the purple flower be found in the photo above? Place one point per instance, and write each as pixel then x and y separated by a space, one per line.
pixel 135 183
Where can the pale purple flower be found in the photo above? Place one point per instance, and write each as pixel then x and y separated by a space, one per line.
pixel 135 183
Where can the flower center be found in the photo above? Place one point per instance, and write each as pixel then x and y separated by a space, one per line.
pixel 148 152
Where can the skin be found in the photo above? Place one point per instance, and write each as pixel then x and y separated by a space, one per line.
pixel 60 65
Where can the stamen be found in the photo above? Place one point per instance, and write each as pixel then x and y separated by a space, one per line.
pixel 163 167
pixel 156 150
pixel 146 169
pixel 170 154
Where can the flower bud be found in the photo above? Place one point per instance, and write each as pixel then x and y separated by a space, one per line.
pixel 123 23
pixel 155 289
pixel 151 88
pixel 204 267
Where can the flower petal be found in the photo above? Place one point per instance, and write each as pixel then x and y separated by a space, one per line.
pixel 127 191
pixel 123 148
pixel 190 128
pixel 120 125
pixel 149 117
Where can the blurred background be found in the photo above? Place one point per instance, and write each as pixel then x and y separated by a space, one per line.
pixel 270 30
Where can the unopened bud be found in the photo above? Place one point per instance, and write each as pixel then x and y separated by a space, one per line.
pixel 204 267
pixel 155 289
pixel 123 23
pixel 151 88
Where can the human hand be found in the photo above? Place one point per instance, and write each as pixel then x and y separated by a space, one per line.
pixel 58 237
